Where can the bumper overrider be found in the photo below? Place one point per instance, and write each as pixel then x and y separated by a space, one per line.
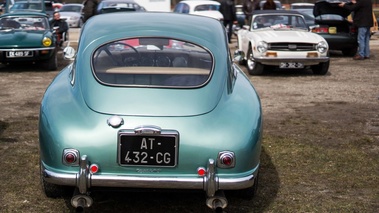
pixel 210 183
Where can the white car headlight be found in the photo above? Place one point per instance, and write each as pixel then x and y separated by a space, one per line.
pixel 262 47
pixel 322 47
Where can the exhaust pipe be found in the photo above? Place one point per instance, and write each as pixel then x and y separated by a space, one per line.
pixel 218 202
pixel 80 201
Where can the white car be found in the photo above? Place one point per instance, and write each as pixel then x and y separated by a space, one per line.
pixel 72 13
pixel 280 38
pixel 301 5
pixel 200 7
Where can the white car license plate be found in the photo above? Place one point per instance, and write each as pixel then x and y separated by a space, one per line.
pixel 19 54
pixel 148 150
pixel 291 65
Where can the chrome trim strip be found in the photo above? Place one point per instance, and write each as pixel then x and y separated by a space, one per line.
pixel 28 49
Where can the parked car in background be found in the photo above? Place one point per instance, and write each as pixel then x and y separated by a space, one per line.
pixel 278 4
pixel 332 24
pixel 301 5
pixel 199 7
pixel 111 6
pixel 35 5
pixel 73 14
pixel 306 9
pixel 26 36
pixel 112 118
pixel 280 38
pixel 308 16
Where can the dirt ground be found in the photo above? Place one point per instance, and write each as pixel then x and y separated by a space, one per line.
pixel 320 145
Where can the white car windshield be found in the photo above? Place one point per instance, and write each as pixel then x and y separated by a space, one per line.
pixel 278 21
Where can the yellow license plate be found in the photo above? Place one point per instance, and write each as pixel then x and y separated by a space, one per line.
pixel 332 30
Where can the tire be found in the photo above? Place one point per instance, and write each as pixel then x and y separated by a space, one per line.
pixel 254 68
pixel 52 63
pixel 249 193
pixel 52 190
pixel 320 69
pixel 80 23
pixel 350 52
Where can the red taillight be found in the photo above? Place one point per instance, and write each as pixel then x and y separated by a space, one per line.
pixel 70 157
pixel 227 160
pixel 320 30
pixel 201 171
pixel 94 168
pixel 353 30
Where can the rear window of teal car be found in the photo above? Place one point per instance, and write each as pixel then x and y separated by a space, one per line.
pixel 152 62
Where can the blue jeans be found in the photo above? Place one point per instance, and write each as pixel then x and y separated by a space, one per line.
pixel 364 41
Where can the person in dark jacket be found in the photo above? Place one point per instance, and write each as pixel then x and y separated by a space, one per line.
pixel 269 5
pixel 89 9
pixel 228 10
pixel 60 26
pixel 362 19
pixel 248 8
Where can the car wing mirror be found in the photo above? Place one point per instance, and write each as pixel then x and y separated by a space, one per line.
pixel 69 53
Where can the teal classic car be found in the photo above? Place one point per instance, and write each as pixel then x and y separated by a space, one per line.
pixel 26 36
pixel 148 103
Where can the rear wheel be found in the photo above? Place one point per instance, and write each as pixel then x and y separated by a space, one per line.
pixel 250 192
pixel 253 67
pixel 52 190
pixel 320 69
pixel 52 63
pixel 80 23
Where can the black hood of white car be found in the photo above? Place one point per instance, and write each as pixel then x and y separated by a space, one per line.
pixel 323 7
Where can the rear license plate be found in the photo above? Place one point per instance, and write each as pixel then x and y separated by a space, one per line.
pixel 333 30
pixel 19 54
pixel 148 150
pixel 291 65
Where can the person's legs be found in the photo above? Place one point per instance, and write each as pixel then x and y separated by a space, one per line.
pixel 367 43
pixel 364 41
pixel 230 31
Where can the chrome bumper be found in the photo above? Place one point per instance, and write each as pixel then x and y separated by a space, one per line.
pixel 209 183
pixel 304 61
pixel 28 49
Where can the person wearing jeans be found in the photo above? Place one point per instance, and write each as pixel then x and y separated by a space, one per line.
pixel 362 19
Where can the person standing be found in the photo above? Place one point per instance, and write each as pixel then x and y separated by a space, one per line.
pixel 89 9
pixel 248 7
pixel 228 10
pixel 362 19
pixel 60 26
pixel 269 5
